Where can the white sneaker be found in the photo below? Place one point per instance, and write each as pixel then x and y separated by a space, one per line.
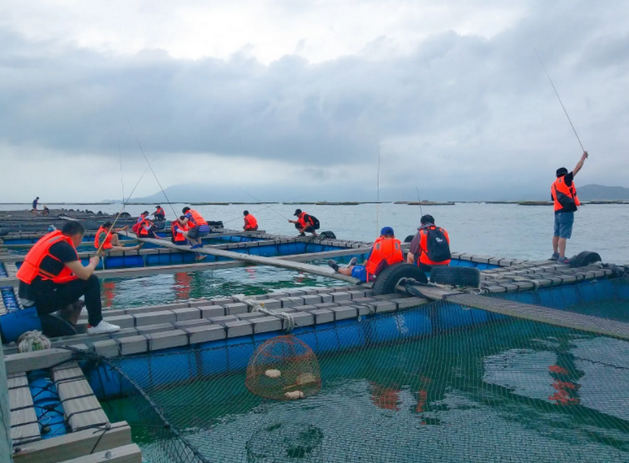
pixel 103 327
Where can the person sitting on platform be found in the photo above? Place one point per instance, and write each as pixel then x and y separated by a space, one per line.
pixel 136 228
pixel 198 227
pixel 430 246
pixel 386 250
pixel 110 239
pixel 46 211
pixel 53 277
pixel 304 223
pixel 251 224
pixel 147 229
pixel 159 214
pixel 178 231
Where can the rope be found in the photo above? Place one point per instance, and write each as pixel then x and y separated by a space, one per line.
pixel 31 341
pixel 256 306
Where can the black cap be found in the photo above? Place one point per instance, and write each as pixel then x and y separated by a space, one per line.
pixel 145 213
pixel 107 224
pixel 297 212
pixel 561 172
pixel 158 206
pixel 427 219
pixel 245 213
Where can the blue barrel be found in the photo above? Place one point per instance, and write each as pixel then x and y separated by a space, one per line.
pixel 13 324
pixel 48 407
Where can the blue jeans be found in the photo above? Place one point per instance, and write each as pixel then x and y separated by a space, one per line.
pixel 563 224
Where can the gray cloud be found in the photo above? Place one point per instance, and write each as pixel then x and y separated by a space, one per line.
pixel 456 108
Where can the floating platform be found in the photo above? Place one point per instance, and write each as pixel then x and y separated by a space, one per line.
pixel 224 332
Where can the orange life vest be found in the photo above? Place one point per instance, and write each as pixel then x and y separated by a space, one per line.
pixel 564 195
pixel 160 211
pixel 107 244
pixel 250 222
pixel 31 266
pixel 196 220
pixel 387 249
pixel 178 237
pixel 423 246
pixel 141 229
pixel 302 220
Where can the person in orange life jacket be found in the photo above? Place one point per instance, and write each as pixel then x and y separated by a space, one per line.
pixel 147 229
pixel 564 196
pixel 53 277
pixel 111 240
pixel 419 251
pixel 136 228
pixel 198 227
pixel 386 250
pixel 251 224
pixel 178 231
pixel 304 224
pixel 159 214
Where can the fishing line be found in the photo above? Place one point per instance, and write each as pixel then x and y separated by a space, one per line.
pixel 266 207
pixel 151 167
pixel 121 175
pixel 419 201
pixel 559 98
pixel 378 196
pixel 262 202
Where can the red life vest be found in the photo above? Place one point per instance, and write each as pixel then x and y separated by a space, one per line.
pixel 302 220
pixel 250 222
pixel 31 266
pixel 142 228
pixel 196 220
pixel 136 228
pixel 160 211
pixel 423 246
pixel 178 237
pixel 384 249
pixel 564 196
pixel 107 244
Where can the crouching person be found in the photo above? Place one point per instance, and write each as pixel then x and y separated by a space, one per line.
pixel 430 246
pixel 53 277
pixel 386 250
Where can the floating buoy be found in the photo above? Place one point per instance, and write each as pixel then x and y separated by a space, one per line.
pixel 273 373
pixel 293 395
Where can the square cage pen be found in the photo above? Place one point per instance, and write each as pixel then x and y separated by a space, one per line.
pixel 418 385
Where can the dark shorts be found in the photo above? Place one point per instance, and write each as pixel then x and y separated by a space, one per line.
pixel 309 229
pixel 563 224
pixel 359 271
pixel 199 232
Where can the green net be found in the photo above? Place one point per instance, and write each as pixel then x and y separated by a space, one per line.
pixel 502 389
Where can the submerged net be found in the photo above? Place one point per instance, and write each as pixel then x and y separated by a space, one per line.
pixel 419 385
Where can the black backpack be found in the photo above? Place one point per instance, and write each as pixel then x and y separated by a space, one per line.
pixel 437 246
pixel 315 222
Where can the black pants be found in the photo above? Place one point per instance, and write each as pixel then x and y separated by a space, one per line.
pixel 424 267
pixel 62 295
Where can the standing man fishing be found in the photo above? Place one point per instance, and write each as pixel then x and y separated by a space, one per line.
pixel 566 202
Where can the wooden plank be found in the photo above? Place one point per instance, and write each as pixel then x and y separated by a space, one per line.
pixel 74 445
pixel 82 409
pixel 128 454
pixel 24 426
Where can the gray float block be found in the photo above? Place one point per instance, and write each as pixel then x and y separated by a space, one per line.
pixel 224 319
pixel 200 334
pixel 355 294
pixel 312 299
pixel 341 296
pixel 364 309
pixel 199 303
pixel 266 324
pixel 302 308
pixel 271 304
pixel 408 302
pixel 494 261
pixel 364 300
pixel 167 339
pixel 212 311
pixel 326 297
pixel 386 306
pixel 191 323
pixel 153 318
pixel 107 348
pixel 123 321
pixel 251 315
pixel 343 313
pixel 303 319
pixel 323 316
pixel 133 345
pixel 295 293
pixel 137 310
pixel 175 305
pixel 325 305
pixel 236 308
pixel 496 289
pixel 288 302
pixel 221 301
pixel 187 314
pixel 239 328
pixel 153 328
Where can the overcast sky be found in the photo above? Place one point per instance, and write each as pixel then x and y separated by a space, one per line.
pixel 256 94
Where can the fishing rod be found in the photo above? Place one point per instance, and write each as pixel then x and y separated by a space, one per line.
pixel 378 196
pixel 151 167
pixel 419 200
pixel 266 207
pixel 559 98
pixel 281 215
pixel 121 175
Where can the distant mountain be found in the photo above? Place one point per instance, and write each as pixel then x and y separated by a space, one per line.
pixel 602 192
